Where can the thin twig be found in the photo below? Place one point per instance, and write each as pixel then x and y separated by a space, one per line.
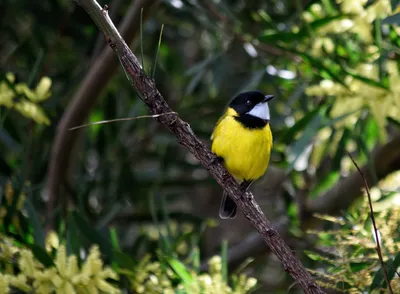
pixel 141 37
pixel 378 246
pixel 158 49
pixel 119 119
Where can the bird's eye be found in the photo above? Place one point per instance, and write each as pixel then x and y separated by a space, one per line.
pixel 248 102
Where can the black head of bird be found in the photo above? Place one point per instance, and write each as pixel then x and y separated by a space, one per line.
pixel 252 108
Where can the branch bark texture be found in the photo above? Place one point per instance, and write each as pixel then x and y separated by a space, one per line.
pixel 385 160
pixel 185 136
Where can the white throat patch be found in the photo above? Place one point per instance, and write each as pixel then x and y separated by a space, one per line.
pixel 260 110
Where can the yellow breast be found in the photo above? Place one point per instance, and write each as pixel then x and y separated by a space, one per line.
pixel 246 152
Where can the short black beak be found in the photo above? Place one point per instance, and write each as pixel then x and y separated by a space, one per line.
pixel 268 97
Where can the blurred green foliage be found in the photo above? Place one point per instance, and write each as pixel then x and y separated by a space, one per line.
pixel 348 248
pixel 135 193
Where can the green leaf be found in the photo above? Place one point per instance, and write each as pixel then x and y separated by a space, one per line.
pixel 283 37
pixel 319 23
pixel 371 132
pixel 394 4
pixel 114 239
pixel 394 121
pixel 42 90
pixel 164 241
pixel 167 223
pixel 38 233
pixel 224 260
pixel 194 82
pixel 291 133
pixel 141 241
pixel 123 260
pixel 91 234
pixel 391 267
pixel 322 68
pixel 1 190
pixel 367 80
pixel 157 52
pixel 341 150
pixel 367 153
pixel 35 70
pixel 195 255
pixel 7 141
pixel 110 215
pixel 330 122
pixel 243 265
pixel 328 6
pixel 41 255
pixel 302 33
pixel 72 241
pixel 326 183
pixel 180 269
pixel 393 19
pixel 344 286
pixel 377 281
pixel 297 149
pixel 312 255
pixel 358 266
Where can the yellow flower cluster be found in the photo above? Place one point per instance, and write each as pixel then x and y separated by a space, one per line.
pixel 213 283
pixel 152 278
pixel 64 277
pixel 7 252
pixel 359 21
pixel 358 93
pixel 353 242
pixel 13 97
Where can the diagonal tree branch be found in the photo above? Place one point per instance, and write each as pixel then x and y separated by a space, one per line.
pixel 385 160
pixel 185 136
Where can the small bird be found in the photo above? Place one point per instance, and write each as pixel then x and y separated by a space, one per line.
pixel 242 140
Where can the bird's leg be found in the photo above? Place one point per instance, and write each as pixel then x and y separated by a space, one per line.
pixel 219 159
pixel 244 186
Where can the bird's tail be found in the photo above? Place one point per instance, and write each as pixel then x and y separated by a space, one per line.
pixel 227 208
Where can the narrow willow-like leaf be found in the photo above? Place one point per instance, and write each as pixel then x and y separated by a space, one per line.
pixel 224 260
pixel 141 38
pixel 158 50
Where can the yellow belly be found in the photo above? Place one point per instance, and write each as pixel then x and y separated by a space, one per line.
pixel 245 152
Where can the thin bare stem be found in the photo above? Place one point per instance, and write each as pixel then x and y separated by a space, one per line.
pixel 119 119
pixel 158 49
pixel 378 246
pixel 141 37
